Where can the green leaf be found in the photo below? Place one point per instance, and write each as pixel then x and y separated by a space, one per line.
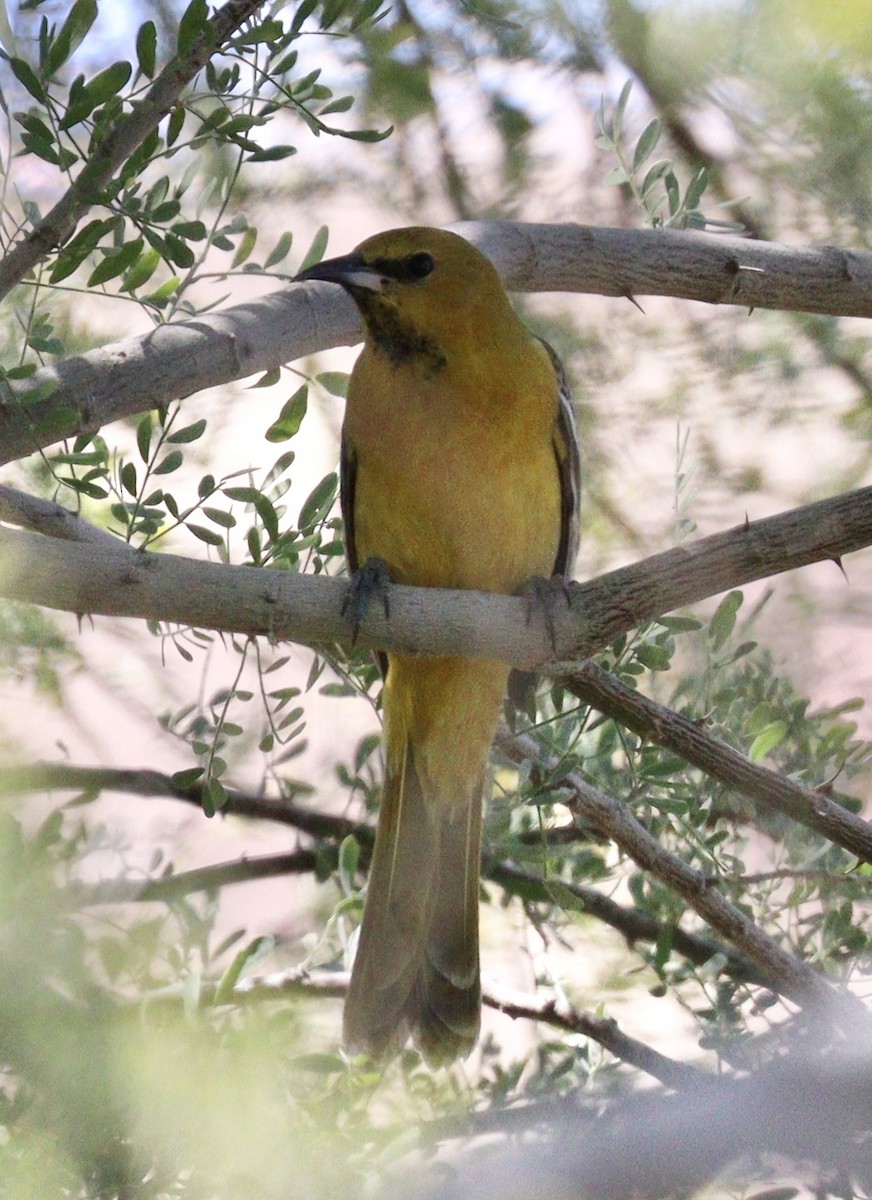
pixel 165 211
pixel 679 624
pixel 175 123
pixel 337 106
pixel 617 175
pixel 29 79
pixel 128 478
pixel 724 620
pixel 246 245
pixel 304 9
pixel 267 379
pixel 266 31
pixel 655 173
pixel 253 953
pixel 116 263
pixel 271 153
pixel 163 293
pixel 767 740
pixel 187 778
pixel 225 519
pixel 335 382
pixel 655 658
pixel 195 20
pixel 673 192
pixel 620 109
pixel 316 251
pixel 245 495
pixel 72 33
pixel 179 252
pixel 648 139
pixel 268 515
pixel 214 797
pixel 143 436
pixel 209 536
pixel 282 247
pixel 365 135
pixel 291 417
pixel 190 433
pixel 141 271
pixel 192 231
pixel 349 857
pixel 171 462
pixel 73 254
pixel 696 187
pixel 319 501
pixel 108 83
pixel 146 48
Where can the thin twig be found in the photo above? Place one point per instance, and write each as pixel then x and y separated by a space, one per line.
pixel 116 147
pixel 692 742
pixel 789 975
pixel 559 1014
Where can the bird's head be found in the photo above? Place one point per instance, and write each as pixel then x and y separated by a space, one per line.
pixel 418 289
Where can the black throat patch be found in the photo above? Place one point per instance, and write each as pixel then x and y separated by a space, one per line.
pixel 399 340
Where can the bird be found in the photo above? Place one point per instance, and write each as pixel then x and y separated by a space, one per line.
pixel 459 468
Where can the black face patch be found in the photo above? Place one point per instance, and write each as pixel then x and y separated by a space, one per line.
pixel 411 269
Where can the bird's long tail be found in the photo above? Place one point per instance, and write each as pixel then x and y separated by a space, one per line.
pixel 417 966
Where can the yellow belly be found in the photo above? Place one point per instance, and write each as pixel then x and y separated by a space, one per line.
pixel 454 494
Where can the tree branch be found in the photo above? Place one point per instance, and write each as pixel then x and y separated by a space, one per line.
pixel 48 517
pixel 807 1106
pixel 790 976
pixel 200 879
pixel 549 1011
pixel 120 581
pixel 89 390
pixel 689 740
pixel 633 924
pixel 750 962
pixel 560 1014
pixel 113 151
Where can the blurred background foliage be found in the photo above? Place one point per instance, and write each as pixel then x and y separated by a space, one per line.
pixel 132 1063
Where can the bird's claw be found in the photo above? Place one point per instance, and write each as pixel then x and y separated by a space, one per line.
pixel 370 582
pixel 542 595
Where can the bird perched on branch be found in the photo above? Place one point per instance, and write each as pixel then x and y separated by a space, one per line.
pixel 459 470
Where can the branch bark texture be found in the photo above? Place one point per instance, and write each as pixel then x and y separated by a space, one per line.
pixel 117 580
pixel 177 360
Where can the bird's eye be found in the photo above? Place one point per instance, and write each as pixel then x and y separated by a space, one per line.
pixel 419 265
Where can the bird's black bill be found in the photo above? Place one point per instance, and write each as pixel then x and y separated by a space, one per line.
pixel 344 270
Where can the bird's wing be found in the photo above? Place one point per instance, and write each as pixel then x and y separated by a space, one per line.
pixel 566 452
pixel 347 487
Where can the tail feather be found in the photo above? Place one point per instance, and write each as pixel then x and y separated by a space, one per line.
pixel 417 968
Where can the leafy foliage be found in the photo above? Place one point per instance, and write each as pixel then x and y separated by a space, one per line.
pixel 145 1052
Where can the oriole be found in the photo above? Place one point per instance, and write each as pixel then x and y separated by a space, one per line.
pixel 459 469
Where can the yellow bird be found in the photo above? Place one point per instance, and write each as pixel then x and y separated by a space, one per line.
pixel 459 469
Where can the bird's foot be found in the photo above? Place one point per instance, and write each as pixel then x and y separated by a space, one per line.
pixel 545 596
pixel 370 582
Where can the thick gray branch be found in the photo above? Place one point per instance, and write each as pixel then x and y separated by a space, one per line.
pixel 176 360
pixel 120 581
